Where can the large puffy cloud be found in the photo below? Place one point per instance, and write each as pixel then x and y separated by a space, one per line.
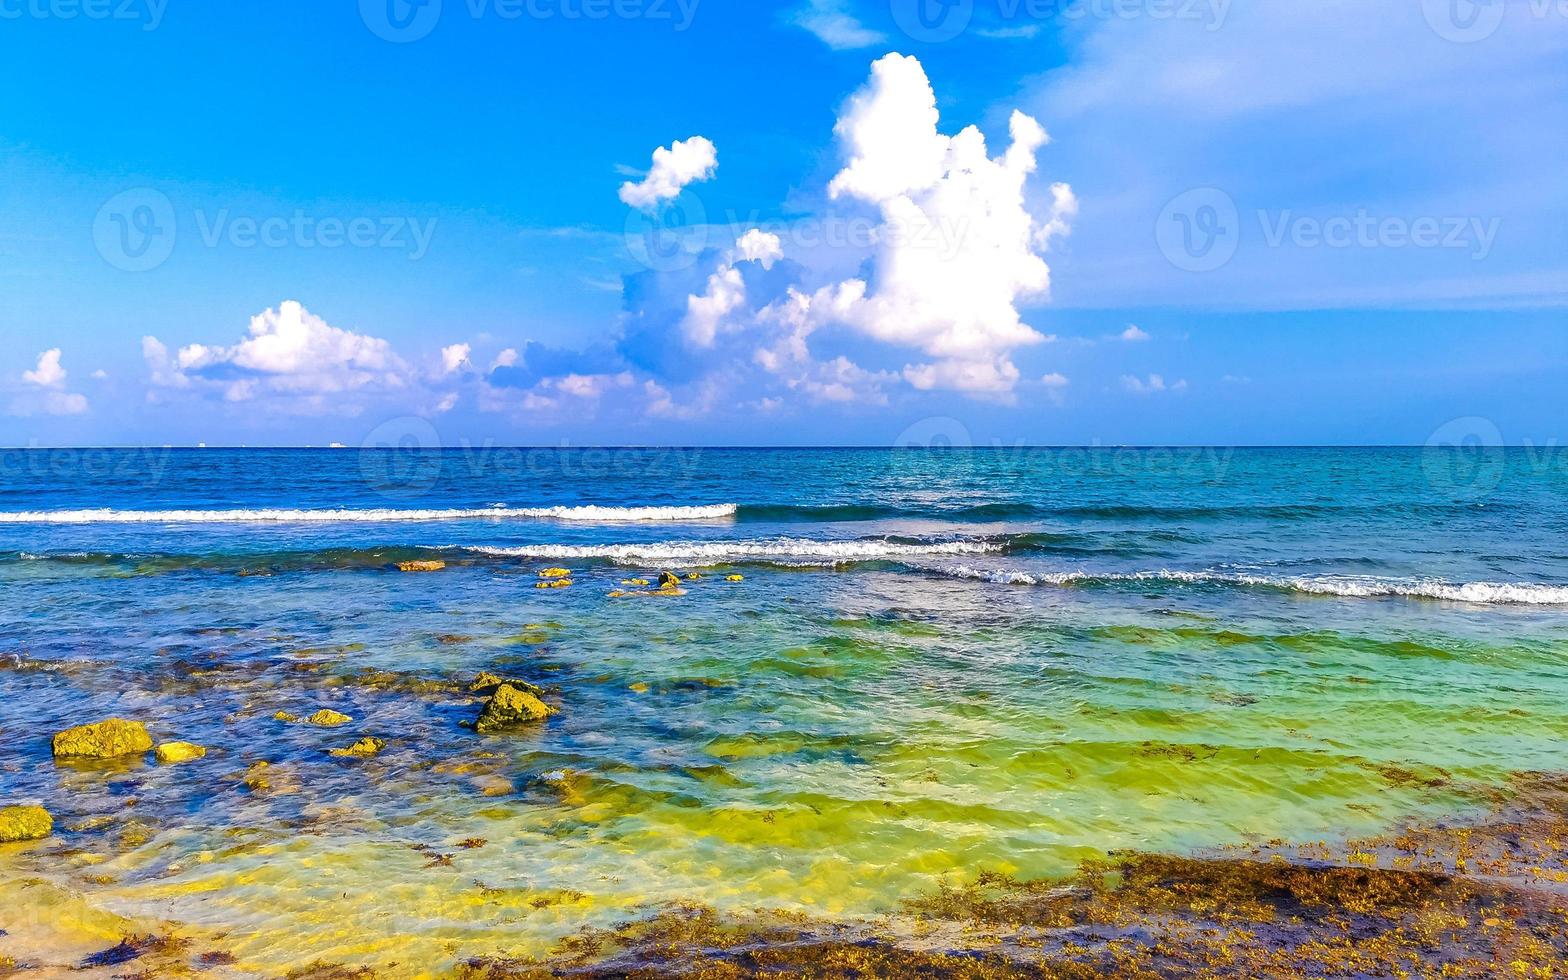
pixel 674 167
pixel 289 351
pixel 958 247
pixel 953 251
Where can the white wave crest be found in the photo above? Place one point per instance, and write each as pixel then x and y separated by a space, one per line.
pixel 587 514
pixel 788 550
pixel 1354 587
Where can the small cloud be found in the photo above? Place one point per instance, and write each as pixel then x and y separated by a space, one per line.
pixel 1154 384
pixel 1010 33
pixel 1236 379
pixel 675 166
pixel 1055 385
pixel 835 26
pixel 48 373
pixel 505 359
pixel 454 357
pixel 100 375
pixel 1133 335
pixel 50 376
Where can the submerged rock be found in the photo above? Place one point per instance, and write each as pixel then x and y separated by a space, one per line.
pixel 512 706
pixel 327 718
pixel 173 753
pixel 559 583
pixel 103 740
pixel 636 582
pixel 421 566
pixel 487 683
pixel 735 578
pixel 365 748
pixel 19 823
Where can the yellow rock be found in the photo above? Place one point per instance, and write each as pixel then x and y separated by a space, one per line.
pixel 421 566
pixel 284 716
pixel 171 753
pixel 365 748
pixel 636 582
pixel 669 580
pixel 327 718
pixel 104 740
pixel 693 577
pixel 736 578
pixel 19 823
pixel 511 706
pixel 619 594
pixel 560 583
pixel 641 687
pixel 556 573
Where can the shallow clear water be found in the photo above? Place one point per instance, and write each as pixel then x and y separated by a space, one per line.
pixel 937 662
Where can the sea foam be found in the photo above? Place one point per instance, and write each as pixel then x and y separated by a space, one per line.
pixel 586 514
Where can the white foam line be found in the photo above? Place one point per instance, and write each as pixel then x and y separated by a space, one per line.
pixel 1356 587
pixel 587 514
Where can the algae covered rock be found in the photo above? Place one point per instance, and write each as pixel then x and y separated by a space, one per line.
pixel 103 740
pixel 173 753
pixel 551 573
pixel 669 580
pixel 735 578
pixel 327 718
pixel 487 683
pixel 557 583
pixel 19 823
pixel 421 566
pixel 512 706
pixel 285 717
pixel 365 748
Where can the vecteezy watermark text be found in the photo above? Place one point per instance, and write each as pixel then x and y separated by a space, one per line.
pixel 935 21
pixel 404 21
pixel 1200 230
pixel 137 230
pixel 148 13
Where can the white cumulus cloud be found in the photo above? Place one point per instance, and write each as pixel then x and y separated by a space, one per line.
pixel 454 357
pixel 957 246
pixel 674 167
pixel 288 351
pixel 49 375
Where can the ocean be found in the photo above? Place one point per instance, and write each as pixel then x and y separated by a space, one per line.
pixel 893 670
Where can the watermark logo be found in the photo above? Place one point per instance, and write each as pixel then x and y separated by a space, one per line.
pixel 400 21
pixel 936 21
pixel 1464 459
pixel 1200 230
pixel 401 458
pixel 1464 21
pixel 668 238
pixel 404 21
pixel 933 21
pixel 135 230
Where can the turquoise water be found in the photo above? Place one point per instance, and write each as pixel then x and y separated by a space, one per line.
pixel 935 662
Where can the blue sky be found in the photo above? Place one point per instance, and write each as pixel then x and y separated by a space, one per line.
pixel 300 223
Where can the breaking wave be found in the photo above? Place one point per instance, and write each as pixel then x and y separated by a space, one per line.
pixel 1356 587
pixel 586 514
